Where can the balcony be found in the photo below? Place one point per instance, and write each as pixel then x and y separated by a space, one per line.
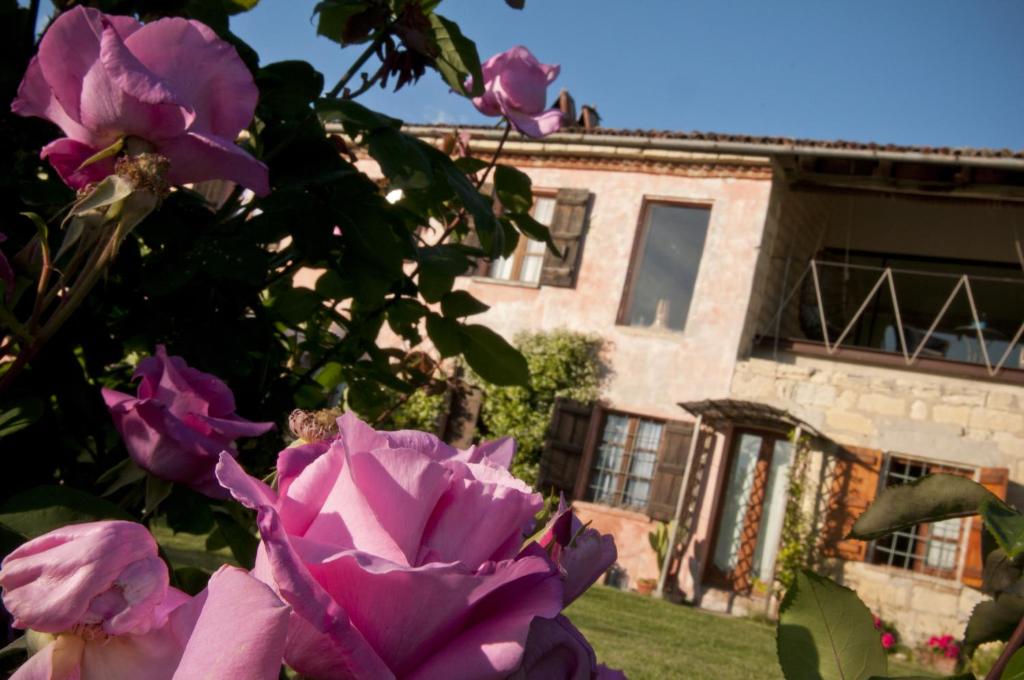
pixel 942 315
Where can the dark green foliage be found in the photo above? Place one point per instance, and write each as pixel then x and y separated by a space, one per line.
pixel 561 363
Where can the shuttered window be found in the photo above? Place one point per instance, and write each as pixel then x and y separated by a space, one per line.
pixel 624 461
pixel 857 476
pixel 565 214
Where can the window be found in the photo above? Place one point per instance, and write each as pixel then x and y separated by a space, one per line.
pixel 624 461
pixel 927 548
pixel 525 264
pixel 665 263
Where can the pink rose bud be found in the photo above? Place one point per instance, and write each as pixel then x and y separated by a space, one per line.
pixel 888 640
pixel 180 422
pixel 878 623
pixel 103 576
pixel 400 555
pixel 516 86
pixel 172 83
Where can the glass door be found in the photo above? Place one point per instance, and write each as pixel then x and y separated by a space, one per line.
pixel 753 509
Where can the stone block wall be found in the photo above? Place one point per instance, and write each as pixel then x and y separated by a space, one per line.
pixel 630 530
pixel 957 421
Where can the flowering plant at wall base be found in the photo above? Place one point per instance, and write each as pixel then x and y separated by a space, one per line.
pixel 888 634
pixel 826 631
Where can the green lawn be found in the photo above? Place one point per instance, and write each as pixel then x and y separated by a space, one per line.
pixel 651 639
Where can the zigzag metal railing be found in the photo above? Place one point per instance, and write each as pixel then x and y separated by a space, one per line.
pixel 886 276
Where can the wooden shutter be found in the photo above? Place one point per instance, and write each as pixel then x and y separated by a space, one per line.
pixel 854 485
pixel 564 446
pixel 668 471
pixel 567 229
pixel 995 480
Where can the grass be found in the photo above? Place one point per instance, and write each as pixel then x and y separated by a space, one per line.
pixel 651 639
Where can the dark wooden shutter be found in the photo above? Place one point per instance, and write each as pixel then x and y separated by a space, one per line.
pixel 995 480
pixel 854 485
pixel 567 230
pixel 564 446
pixel 668 471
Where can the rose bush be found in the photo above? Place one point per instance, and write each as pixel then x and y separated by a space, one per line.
pixel 516 87
pixel 171 83
pixel 402 556
pixel 179 422
pixel 101 593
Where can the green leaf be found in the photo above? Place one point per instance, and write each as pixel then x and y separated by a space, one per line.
pixel 45 508
pixel 514 188
pixel 516 4
pixel 493 358
pixel 355 117
pixel 535 230
pixel 20 415
pixel 459 303
pixel 331 375
pixel 332 286
pixel 993 620
pixel 191 579
pixel 121 475
pixel 826 633
pixel 445 334
pixel 1015 669
pixel 294 305
pixel 458 58
pixel 964 676
pixel 239 6
pixel 929 499
pixel 402 158
pixel 1001 574
pixel 336 20
pixel 470 165
pixel 288 88
pixel 1006 524
pixel 242 543
pixel 157 491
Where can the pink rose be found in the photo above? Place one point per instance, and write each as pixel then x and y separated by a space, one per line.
pixel 888 640
pixel 952 651
pixel 101 592
pixel 400 555
pixel 516 86
pixel 180 422
pixel 172 83
pixel 57 582
pixel 878 623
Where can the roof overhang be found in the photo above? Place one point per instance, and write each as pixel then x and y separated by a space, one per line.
pixel 739 413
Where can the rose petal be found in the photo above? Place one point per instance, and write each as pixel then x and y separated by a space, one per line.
pixel 536 126
pixel 203 70
pixel 67 155
pixel 196 157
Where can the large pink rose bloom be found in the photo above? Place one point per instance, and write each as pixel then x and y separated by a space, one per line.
pixel 101 592
pixel 180 422
pixel 172 83
pixel 400 556
pixel 516 86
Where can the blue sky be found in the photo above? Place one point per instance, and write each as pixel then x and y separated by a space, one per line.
pixel 935 72
pixel 932 72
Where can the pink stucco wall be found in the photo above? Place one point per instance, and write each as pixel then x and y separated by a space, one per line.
pixel 652 369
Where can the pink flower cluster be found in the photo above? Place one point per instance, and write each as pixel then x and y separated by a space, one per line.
pixel 383 555
pixel 888 635
pixel 945 645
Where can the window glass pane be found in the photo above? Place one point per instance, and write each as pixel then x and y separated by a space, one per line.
pixel 501 268
pixel 770 531
pixel 666 271
pixel 609 459
pixel 737 496
pixel 544 209
pixel 533 260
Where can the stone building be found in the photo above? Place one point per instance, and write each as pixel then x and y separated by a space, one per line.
pixel 864 302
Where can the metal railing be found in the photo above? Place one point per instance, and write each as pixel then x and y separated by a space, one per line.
pixel 825 314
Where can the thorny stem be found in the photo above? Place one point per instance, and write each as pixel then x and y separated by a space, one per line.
pixel 1004 659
